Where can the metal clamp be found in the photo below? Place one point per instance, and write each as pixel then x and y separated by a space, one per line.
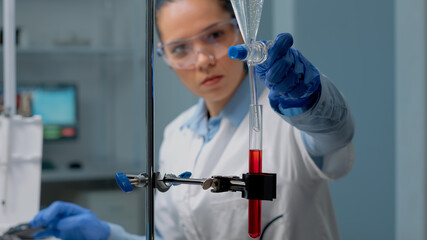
pixel 161 185
pixel 260 186
pixel 162 182
pixel 206 183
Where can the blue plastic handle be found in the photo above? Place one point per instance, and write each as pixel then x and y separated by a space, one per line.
pixel 238 52
pixel 123 182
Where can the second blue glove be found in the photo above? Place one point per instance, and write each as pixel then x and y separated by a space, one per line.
pixel 69 221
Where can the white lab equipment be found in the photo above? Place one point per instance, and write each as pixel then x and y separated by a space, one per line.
pixel 20 169
pixel 20 142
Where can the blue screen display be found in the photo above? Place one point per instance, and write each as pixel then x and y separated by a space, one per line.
pixel 57 106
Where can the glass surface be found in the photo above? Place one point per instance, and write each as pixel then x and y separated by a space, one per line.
pixel 255 127
pixel 97 47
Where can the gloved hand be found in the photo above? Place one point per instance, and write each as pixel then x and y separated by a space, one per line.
pixel 69 221
pixel 293 81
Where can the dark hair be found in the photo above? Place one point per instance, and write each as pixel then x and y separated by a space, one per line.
pixel 226 4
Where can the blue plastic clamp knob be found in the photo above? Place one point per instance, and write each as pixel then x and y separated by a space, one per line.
pixel 238 52
pixel 123 182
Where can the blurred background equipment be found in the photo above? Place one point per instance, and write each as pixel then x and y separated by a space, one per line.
pixel 21 142
pixel 57 105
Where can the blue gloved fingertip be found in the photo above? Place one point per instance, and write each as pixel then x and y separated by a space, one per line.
pixel 185 175
pixel 238 52
pixel 32 224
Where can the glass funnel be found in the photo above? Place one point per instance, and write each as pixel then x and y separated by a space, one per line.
pixel 248 15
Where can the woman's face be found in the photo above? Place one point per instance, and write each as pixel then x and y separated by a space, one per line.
pixel 215 80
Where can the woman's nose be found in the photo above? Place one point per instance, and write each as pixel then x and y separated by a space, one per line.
pixel 204 59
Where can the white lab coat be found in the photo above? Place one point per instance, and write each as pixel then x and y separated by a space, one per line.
pixel 188 212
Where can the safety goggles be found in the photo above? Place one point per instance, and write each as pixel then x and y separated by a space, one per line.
pixel 214 42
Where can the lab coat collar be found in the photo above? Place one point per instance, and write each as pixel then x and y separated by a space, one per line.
pixel 235 110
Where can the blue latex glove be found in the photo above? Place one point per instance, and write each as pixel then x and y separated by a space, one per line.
pixel 69 221
pixel 293 81
pixel 186 174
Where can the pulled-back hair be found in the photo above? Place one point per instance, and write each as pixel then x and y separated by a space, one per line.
pixel 226 4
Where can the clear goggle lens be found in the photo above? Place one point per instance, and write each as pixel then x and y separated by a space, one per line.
pixel 214 42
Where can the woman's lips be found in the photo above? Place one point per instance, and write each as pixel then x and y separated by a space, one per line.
pixel 212 80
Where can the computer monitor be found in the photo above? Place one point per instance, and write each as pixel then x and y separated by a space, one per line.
pixel 56 104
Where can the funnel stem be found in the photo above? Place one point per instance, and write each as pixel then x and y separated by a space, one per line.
pixel 252 79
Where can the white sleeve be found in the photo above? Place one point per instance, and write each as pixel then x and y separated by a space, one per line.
pixel 335 165
pixel 117 232
pixel 324 133
pixel 328 125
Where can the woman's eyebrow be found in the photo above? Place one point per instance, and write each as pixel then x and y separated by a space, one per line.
pixel 211 26
pixel 203 30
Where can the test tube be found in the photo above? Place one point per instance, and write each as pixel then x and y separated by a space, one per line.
pixel 255 166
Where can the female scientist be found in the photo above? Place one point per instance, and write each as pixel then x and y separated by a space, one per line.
pixel 307 137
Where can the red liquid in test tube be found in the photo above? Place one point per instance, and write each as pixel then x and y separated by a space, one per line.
pixel 255 166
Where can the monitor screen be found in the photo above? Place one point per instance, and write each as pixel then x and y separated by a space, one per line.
pixel 55 104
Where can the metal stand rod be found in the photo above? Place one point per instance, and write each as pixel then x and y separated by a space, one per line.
pixel 150 117
pixel 191 181
pixel 9 58
pixel 9 83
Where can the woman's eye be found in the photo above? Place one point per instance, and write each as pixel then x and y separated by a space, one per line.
pixel 215 35
pixel 179 50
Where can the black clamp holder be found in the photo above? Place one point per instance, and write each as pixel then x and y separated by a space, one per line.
pixel 259 186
